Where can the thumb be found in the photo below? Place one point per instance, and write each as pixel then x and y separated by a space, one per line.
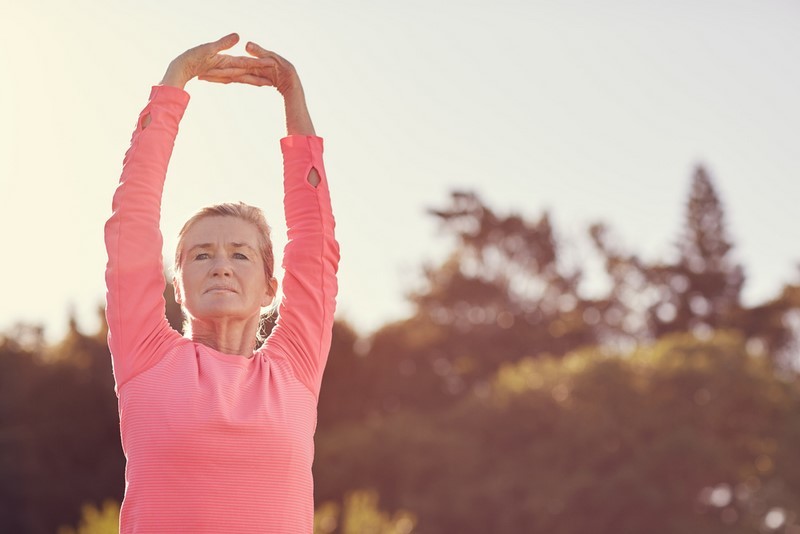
pixel 255 50
pixel 225 43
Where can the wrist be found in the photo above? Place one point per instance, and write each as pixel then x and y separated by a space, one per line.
pixel 291 88
pixel 174 77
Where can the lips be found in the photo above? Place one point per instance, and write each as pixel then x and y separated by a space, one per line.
pixel 220 288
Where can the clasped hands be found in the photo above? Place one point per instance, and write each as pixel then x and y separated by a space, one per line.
pixel 207 63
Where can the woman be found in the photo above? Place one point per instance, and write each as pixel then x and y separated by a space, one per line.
pixel 218 433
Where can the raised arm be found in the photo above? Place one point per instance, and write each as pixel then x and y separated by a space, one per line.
pixel 134 273
pixel 311 256
pixel 138 329
pixel 310 261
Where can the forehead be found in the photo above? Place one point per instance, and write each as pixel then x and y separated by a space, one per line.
pixel 222 230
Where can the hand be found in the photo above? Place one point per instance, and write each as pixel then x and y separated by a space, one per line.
pixel 206 58
pixel 271 69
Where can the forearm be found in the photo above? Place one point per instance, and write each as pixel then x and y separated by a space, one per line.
pixel 132 232
pixel 298 120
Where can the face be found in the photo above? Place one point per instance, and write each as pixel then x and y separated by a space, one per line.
pixel 221 271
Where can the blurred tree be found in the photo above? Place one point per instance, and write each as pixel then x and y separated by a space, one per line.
pixel 18 371
pixel 94 520
pixel 342 394
pixel 681 436
pixel 776 326
pixel 59 432
pixel 505 293
pixel 361 515
pixel 506 272
pixel 172 308
pixel 701 289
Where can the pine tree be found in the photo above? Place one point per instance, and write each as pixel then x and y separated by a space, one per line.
pixel 701 290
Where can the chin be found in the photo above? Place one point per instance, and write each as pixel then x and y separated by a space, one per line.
pixel 222 311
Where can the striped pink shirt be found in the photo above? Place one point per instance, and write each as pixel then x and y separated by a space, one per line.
pixel 216 442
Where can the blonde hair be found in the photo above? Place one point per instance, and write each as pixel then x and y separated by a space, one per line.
pixel 244 212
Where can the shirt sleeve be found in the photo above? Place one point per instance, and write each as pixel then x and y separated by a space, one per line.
pixel 302 332
pixel 135 307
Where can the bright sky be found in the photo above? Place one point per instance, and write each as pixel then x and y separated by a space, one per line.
pixel 593 110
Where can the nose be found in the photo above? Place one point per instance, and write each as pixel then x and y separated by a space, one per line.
pixel 221 267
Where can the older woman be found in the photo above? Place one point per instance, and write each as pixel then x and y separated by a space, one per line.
pixel 217 432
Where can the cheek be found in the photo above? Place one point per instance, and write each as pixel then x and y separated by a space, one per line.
pixel 255 276
pixel 187 281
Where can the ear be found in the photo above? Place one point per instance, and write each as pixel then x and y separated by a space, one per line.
pixel 177 287
pixel 269 295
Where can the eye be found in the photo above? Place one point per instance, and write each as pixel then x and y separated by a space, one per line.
pixel 240 256
pixel 201 256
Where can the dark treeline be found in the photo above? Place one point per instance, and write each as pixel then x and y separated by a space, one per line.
pixel 509 401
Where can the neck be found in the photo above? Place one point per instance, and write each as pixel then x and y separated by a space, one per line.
pixel 227 335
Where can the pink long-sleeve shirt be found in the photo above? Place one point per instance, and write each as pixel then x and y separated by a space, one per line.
pixel 216 442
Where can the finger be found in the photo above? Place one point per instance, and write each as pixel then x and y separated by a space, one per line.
pixel 256 50
pixel 252 79
pixel 217 78
pixel 224 60
pixel 254 66
pixel 225 72
pixel 222 44
pixel 237 71
pixel 249 79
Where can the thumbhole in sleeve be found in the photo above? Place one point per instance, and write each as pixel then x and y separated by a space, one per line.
pixel 313 177
pixel 144 121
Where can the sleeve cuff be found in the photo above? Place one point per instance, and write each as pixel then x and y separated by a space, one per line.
pixel 300 142
pixel 169 93
pixel 303 148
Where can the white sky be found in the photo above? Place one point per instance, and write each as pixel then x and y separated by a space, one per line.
pixel 595 110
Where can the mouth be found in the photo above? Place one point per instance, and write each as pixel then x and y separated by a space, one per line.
pixel 220 289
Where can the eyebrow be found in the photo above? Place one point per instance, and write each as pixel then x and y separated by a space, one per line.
pixel 234 245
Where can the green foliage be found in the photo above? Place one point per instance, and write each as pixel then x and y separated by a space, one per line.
pixel 590 443
pixel 341 399
pixel 508 292
pixel 508 281
pixel 703 288
pixel 699 290
pixel 503 404
pixel 361 515
pixel 94 520
pixel 59 439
